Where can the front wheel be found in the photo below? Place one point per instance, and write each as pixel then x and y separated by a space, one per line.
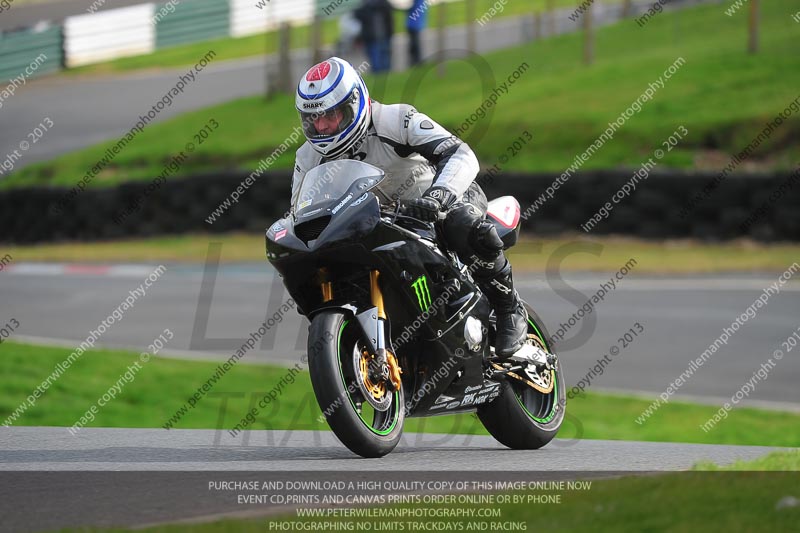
pixel 365 416
pixel 521 417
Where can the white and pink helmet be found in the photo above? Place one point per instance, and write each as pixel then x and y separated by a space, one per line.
pixel 334 107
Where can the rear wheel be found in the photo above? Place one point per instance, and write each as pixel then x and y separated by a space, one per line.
pixel 522 417
pixel 364 414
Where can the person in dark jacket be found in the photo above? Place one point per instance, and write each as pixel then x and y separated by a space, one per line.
pixel 415 23
pixel 377 28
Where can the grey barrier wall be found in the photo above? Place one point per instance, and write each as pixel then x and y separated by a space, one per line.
pixel 764 207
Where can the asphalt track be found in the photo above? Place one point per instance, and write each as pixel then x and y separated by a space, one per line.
pixel 122 449
pixel 681 317
pixel 162 476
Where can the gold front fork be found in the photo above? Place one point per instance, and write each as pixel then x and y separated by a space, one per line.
pixel 327 291
pixel 377 301
pixel 377 295
pixel 327 286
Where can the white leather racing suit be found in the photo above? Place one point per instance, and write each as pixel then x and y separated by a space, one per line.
pixel 411 148
pixel 416 153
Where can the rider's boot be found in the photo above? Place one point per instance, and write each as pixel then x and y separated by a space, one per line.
pixel 512 319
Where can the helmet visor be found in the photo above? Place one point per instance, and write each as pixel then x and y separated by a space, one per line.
pixel 329 122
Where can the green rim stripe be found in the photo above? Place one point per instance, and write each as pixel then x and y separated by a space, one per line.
pixel 552 414
pixel 341 373
pixel 539 333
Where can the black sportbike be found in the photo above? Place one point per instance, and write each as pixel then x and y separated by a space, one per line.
pixel 398 326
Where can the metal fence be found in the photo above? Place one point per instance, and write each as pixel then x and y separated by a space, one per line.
pixel 30 52
pixel 192 21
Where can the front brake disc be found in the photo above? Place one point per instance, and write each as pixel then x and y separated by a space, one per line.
pixel 375 393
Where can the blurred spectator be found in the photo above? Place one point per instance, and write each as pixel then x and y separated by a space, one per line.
pixel 415 23
pixel 349 34
pixel 377 27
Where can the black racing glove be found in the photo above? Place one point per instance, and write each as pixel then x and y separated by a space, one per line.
pixel 430 205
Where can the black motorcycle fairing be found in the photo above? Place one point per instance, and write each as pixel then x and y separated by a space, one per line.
pixel 354 221
pixel 428 296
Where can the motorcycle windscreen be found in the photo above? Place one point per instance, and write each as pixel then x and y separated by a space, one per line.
pixel 327 183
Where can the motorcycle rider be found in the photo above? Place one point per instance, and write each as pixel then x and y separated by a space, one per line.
pixel 429 170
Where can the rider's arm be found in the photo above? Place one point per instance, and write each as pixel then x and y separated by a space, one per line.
pixel 456 164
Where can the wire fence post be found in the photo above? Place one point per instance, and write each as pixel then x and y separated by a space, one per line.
pixel 627 8
pixel 441 68
pixel 316 39
pixel 752 44
pixel 588 37
pixel 284 61
pixel 471 42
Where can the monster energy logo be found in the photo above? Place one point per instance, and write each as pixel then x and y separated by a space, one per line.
pixel 423 294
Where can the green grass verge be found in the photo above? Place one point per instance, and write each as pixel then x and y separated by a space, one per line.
pixel 267 43
pixel 775 462
pixel 722 95
pixel 162 386
pixel 530 255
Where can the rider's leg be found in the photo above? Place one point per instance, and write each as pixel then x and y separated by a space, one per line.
pixel 477 244
pixel 498 285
